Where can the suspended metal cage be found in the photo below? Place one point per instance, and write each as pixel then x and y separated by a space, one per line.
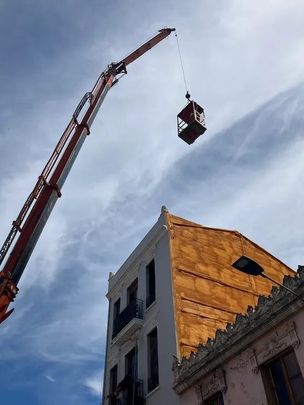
pixel 191 122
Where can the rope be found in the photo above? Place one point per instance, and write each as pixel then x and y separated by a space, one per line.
pixel 181 62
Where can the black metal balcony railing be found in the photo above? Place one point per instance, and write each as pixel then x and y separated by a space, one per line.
pixel 133 310
pixel 139 390
pixel 128 392
pixel 134 393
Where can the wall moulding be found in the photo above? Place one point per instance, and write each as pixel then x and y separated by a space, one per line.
pixel 282 338
pixel 212 384
pixel 246 359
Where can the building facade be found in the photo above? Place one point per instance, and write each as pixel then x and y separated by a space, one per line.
pixel 172 294
pixel 257 360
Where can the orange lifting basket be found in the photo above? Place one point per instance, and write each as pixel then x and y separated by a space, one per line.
pixel 191 122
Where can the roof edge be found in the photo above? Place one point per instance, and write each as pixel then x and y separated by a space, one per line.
pixel 154 233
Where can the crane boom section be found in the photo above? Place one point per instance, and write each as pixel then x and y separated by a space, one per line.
pixel 162 34
pixel 38 206
pixel 50 193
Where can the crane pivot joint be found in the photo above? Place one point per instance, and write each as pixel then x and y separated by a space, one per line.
pixel 117 68
pixel 53 186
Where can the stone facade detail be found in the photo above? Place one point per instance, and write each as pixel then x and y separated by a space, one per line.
pixel 216 382
pixel 246 359
pixel 238 336
pixel 284 337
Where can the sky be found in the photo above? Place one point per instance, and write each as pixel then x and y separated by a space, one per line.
pixel 244 64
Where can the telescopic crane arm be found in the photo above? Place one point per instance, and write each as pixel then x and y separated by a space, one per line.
pixel 39 204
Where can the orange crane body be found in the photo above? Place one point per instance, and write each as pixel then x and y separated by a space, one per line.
pixel 38 206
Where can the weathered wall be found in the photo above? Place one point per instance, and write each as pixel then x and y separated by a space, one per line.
pixel 208 291
pixel 242 372
pixel 164 320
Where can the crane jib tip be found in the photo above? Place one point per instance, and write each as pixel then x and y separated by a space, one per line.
pixel 167 29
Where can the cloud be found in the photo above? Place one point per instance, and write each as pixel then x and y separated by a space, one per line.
pixel 237 55
pixel 247 178
pixel 50 378
pixel 94 383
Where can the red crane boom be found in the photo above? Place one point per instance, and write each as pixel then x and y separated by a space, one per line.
pixel 39 204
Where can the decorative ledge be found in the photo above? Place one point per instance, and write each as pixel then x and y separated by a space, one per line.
pixel 127 332
pixel 269 312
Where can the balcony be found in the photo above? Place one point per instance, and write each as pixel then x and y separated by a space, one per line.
pixel 128 392
pixel 128 321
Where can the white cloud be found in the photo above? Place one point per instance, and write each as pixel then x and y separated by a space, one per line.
pixel 50 378
pixel 237 55
pixel 94 383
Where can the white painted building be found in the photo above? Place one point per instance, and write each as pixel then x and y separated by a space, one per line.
pixel 173 293
pixel 141 340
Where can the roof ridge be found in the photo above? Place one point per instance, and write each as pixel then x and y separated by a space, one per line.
pixel 205 227
pixel 192 224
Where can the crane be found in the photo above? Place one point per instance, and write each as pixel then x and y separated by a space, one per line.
pixel 29 224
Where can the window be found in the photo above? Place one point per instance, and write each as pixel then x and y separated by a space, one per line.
pixel 153 379
pixel 216 399
pixel 131 364
pixel 116 310
pixel 130 377
pixel 113 385
pixel 132 292
pixel 284 384
pixel 150 283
